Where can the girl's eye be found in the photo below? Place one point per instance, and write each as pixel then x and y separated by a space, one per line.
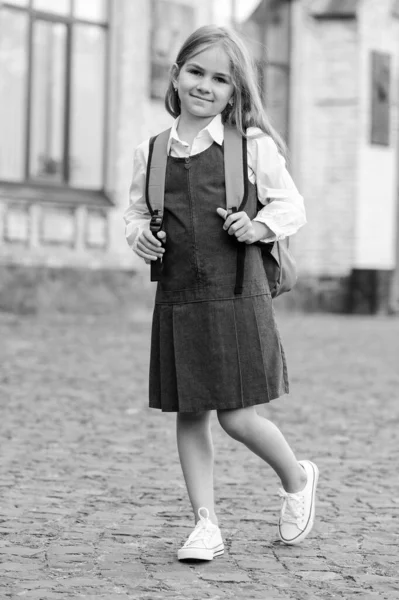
pixel 220 80
pixel 194 71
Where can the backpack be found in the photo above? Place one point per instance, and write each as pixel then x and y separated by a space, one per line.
pixel 278 262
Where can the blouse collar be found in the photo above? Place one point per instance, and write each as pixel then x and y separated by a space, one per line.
pixel 214 130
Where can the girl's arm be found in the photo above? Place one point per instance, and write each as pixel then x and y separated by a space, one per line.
pixel 137 216
pixel 284 211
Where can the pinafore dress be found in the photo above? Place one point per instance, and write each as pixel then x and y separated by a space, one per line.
pixel 211 349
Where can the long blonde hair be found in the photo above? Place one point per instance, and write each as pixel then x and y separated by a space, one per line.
pixel 247 109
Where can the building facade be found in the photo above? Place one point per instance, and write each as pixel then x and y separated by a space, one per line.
pixel 344 140
pixel 81 84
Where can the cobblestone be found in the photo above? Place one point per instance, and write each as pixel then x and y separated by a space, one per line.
pixel 92 500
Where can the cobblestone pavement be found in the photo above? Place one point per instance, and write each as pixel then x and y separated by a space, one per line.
pixel 93 503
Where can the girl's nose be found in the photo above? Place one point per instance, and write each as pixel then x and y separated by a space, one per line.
pixel 204 85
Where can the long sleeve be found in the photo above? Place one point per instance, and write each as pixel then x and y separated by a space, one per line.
pixel 284 211
pixel 137 216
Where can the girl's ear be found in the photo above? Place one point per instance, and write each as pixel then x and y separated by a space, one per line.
pixel 175 74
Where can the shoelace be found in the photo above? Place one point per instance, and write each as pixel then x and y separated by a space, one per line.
pixel 203 529
pixel 293 509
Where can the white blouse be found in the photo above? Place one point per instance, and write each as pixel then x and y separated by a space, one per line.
pixel 283 211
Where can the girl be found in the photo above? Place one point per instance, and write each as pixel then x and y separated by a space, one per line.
pixel 212 349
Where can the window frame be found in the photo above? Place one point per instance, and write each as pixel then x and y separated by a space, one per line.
pixel 28 184
pixel 283 66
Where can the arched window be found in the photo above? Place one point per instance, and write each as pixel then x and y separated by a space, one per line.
pixel 53 58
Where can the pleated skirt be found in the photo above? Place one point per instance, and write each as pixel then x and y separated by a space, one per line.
pixel 216 355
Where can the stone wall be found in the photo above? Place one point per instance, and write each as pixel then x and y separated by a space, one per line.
pixel 350 185
pixel 324 133
pixel 377 174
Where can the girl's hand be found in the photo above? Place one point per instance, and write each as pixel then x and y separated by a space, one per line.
pixel 149 247
pixel 240 225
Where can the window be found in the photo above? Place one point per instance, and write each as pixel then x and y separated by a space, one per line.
pixel 53 56
pixel 276 77
pixel 380 98
pixel 268 34
pixel 172 23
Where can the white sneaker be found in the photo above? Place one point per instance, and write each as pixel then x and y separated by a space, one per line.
pixel 298 510
pixel 205 542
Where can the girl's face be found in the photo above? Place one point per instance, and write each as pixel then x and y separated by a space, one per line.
pixel 205 84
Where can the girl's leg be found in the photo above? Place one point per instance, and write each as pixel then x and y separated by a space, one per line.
pixel 266 440
pixel 194 443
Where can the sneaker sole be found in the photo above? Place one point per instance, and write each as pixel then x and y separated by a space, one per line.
pixel 200 553
pixel 310 523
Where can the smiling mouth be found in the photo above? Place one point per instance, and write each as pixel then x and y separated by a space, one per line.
pixel 199 98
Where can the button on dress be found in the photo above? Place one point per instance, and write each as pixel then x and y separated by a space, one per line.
pixel 210 348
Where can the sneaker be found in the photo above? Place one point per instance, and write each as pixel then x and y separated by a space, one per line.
pixel 298 510
pixel 205 542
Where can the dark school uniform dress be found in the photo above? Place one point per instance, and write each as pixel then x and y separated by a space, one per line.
pixel 210 349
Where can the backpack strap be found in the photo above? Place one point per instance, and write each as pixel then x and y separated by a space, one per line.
pixel 236 181
pixel 155 189
pixel 235 173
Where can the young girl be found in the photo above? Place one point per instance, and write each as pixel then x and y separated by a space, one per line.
pixel 212 349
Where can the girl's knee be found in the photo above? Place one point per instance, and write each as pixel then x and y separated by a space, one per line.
pixel 237 423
